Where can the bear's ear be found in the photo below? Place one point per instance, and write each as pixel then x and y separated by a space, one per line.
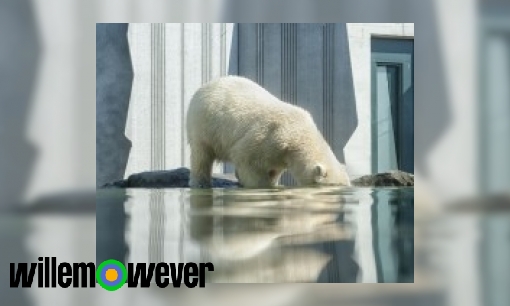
pixel 319 173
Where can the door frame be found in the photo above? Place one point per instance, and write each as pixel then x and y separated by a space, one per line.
pixel 391 52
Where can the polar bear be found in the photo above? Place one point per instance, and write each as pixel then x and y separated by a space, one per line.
pixel 233 119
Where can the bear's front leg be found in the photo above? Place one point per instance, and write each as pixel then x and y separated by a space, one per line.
pixel 201 168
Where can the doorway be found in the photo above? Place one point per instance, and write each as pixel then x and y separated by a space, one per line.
pixel 392 105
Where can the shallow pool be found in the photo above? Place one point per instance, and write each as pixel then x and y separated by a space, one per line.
pixel 268 236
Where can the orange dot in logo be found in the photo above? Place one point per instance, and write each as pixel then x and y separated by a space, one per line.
pixel 111 275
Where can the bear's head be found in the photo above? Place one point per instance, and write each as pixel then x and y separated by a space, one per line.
pixel 329 174
pixel 318 167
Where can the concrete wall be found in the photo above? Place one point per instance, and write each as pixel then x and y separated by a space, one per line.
pixel 324 68
pixel 170 62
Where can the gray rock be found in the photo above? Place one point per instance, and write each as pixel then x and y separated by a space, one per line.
pixel 177 178
pixel 385 179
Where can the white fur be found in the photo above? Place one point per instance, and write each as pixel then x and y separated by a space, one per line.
pixel 233 119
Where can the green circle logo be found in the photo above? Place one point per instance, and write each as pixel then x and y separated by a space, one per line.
pixel 111 274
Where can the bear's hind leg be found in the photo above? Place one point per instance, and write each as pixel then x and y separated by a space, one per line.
pixel 201 167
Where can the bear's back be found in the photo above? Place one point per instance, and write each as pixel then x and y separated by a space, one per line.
pixel 237 95
pixel 230 108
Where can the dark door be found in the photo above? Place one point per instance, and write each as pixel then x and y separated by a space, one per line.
pixel 392 105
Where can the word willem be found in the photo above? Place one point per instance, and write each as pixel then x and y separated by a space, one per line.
pixel 111 274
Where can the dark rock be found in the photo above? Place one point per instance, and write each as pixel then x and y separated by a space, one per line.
pixel 385 179
pixel 177 178
pixel 116 184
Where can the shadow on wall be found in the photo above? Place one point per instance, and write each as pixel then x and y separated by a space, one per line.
pixel 303 64
pixel 345 117
pixel 19 61
pixel 114 77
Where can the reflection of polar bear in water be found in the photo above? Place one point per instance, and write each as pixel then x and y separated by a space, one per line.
pixel 232 119
pixel 266 236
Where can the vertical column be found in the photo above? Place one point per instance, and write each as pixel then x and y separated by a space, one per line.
pixel 174 104
pixel 328 64
pixel 158 98
pixel 289 62
pixel 289 37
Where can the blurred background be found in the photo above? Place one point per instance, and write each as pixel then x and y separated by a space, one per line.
pixel 462 141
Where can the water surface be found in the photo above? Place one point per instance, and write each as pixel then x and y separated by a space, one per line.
pixel 264 236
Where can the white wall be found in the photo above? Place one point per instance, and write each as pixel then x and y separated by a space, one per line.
pixel 170 62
